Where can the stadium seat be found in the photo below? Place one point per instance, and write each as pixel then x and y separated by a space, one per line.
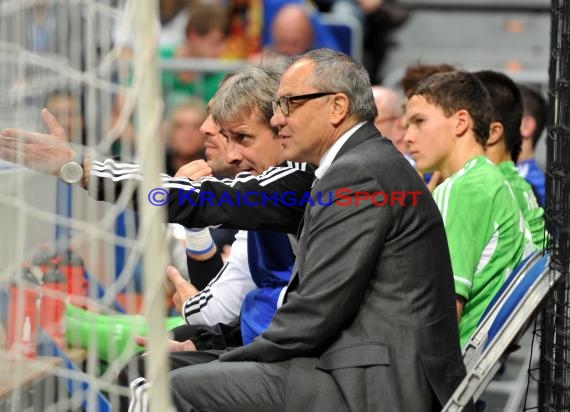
pixel 513 313
pixel 475 345
pixel 348 32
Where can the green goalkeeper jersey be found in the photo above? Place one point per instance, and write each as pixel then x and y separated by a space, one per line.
pixel 532 212
pixel 486 234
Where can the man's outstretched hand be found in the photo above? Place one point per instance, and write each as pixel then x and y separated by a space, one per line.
pixel 44 153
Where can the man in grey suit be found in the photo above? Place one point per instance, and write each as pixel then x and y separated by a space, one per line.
pixel 369 319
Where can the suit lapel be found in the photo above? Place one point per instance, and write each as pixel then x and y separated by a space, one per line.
pixel 364 133
pixel 294 280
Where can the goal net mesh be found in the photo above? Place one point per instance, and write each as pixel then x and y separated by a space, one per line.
pixel 72 293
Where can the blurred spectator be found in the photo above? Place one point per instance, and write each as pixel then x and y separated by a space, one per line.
pixel 390 119
pixel 174 15
pixel 245 29
pixel 185 141
pixel 282 18
pixel 291 31
pixel 206 32
pixel 66 108
pixel 532 126
pixel 414 74
pixel 43 27
pixel 42 36
pixel 381 18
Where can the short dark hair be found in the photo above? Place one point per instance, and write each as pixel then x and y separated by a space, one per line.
pixel 507 107
pixel 416 73
pixel 534 104
pixel 453 91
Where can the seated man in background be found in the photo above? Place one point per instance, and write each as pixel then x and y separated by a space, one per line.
pixel 415 73
pixel 449 116
pixel 206 32
pixel 532 126
pixel 205 246
pixel 66 108
pixel 504 145
pixel 243 108
pixel 293 28
pixel 390 119
pixel 291 31
pixel 184 140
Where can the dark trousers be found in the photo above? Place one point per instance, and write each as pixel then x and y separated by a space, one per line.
pixel 249 386
pixel 199 382
pixel 230 386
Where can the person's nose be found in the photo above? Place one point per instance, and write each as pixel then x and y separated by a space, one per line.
pixel 278 119
pixel 233 154
pixel 408 136
pixel 209 127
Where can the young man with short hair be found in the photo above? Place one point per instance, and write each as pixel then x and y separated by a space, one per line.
pixel 504 146
pixel 449 115
pixel 533 122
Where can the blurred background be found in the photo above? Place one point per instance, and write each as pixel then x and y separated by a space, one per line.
pixel 78 58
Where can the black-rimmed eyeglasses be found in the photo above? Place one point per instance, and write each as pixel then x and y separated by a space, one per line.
pixel 284 102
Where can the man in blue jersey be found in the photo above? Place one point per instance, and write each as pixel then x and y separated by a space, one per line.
pixel 243 108
pixel 532 126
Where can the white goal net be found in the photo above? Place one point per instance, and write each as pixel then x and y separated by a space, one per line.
pixel 72 293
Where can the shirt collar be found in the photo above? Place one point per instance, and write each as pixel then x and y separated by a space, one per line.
pixel 332 151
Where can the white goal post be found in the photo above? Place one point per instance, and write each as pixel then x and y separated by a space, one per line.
pixel 63 54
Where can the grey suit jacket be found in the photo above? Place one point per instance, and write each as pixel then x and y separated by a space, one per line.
pixel 369 321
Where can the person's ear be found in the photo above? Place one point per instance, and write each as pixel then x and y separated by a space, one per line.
pixel 339 108
pixel 463 122
pixel 495 133
pixel 528 126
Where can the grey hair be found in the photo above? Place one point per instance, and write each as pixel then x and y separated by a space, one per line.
pixel 249 90
pixel 337 72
